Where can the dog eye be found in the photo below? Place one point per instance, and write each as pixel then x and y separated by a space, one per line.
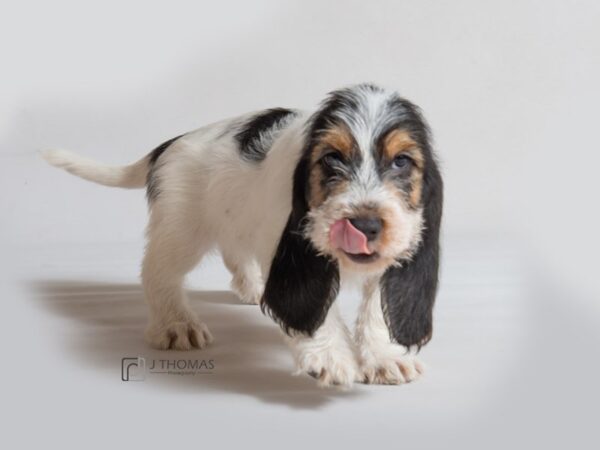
pixel 401 162
pixel 333 159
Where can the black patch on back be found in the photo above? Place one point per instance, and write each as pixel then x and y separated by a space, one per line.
pixel 152 188
pixel 155 154
pixel 257 134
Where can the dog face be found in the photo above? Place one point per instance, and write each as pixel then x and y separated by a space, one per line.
pixel 364 181
pixel 367 197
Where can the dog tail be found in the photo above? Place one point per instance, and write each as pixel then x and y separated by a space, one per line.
pixel 132 176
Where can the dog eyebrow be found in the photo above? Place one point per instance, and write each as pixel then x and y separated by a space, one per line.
pixel 400 141
pixel 340 139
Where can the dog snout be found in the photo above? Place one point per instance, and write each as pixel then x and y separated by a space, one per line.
pixel 369 226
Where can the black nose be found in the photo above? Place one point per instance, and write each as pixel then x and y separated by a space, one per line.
pixel 370 226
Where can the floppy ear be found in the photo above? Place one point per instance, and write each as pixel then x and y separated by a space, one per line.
pixel 408 292
pixel 302 284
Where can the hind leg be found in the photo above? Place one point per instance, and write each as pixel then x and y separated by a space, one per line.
pixel 173 249
pixel 247 282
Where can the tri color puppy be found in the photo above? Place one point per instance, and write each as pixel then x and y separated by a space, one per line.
pixel 297 204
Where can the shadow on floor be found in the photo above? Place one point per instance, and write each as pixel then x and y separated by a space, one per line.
pixel 249 354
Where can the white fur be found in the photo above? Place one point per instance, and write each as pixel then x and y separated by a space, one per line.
pixel 209 197
pixel 367 188
pixel 131 176
pixel 328 355
pixel 380 360
pixel 406 233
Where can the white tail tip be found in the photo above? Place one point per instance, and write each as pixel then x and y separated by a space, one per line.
pixel 130 176
pixel 58 158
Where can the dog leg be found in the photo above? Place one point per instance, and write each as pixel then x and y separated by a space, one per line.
pixel 247 280
pixel 173 249
pixel 329 354
pixel 381 361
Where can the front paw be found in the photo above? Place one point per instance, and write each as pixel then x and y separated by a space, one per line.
pixel 330 367
pixel 249 291
pixel 390 369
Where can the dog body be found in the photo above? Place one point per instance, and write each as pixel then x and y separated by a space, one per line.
pixel 298 203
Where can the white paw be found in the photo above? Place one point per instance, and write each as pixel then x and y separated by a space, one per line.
pixel 330 367
pixel 248 290
pixel 178 335
pixel 392 367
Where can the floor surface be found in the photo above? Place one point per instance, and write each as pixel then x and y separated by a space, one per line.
pixel 497 370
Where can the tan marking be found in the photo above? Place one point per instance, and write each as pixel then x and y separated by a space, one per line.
pixel 400 142
pixel 397 141
pixel 387 235
pixel 317 194
pixel 416 187
pixel 336 138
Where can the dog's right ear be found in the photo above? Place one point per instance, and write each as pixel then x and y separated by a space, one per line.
pixel 302 283
pixel 408 291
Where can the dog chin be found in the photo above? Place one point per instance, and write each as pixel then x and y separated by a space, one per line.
pixel 363 263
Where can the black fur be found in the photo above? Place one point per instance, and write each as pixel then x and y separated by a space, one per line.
pixel 257 134
pixel 408 292
pixel 152 189
pixel 302 284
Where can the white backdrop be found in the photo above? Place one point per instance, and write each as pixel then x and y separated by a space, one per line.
pixel 510 89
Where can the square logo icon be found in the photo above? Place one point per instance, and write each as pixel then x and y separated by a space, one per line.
pixel 133 369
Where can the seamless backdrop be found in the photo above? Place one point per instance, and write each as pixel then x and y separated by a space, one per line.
pixel 511 92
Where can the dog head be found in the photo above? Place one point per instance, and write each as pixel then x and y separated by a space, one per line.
pixel 362 172
pixel 362 190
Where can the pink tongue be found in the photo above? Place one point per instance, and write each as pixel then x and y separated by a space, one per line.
pixel 343 235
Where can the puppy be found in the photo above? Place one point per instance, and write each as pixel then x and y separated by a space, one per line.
pixel 298 203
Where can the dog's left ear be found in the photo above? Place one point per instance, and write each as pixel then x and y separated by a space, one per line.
pixel 302 284
pixel 408 291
